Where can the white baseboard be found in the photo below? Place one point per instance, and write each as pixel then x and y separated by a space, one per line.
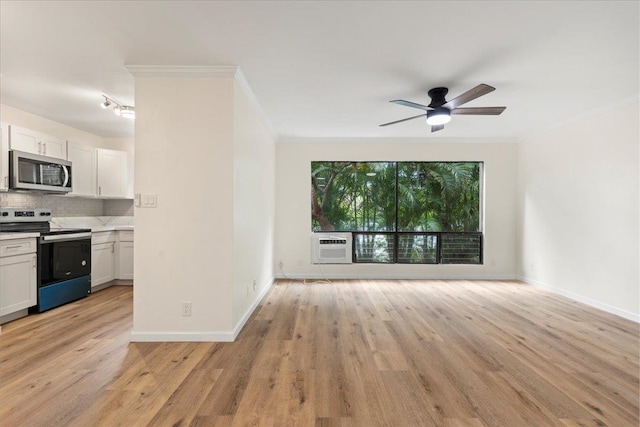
pixel 202 336
pixel 170 336
pixel 392 276
pixel 250 310
pixel 582 299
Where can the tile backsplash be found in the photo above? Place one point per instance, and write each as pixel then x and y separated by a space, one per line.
pixel 118 208
pixel 62 206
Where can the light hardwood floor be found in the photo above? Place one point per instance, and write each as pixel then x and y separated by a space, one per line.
pixel 349 353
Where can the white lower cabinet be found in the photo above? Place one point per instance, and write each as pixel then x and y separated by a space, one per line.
pixel 18 275
pixel 103 257
pixel 111 256
pixel 125 255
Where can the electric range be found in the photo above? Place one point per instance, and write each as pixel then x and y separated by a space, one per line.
pixel 64 256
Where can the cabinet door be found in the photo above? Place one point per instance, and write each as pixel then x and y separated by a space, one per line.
pixel 102 263
pixel 54 147
pixel 4 156
pixel 83 169
pixel 17 283
pixel 24 140
pixel 125 260
pixel 112 173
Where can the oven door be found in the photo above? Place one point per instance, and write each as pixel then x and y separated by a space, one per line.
pixel 63 257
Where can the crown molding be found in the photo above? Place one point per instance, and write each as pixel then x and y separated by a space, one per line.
pixel 191 71
pixel 204 71
pixel 244 86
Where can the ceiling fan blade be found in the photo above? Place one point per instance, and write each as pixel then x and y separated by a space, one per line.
pixel 411 104
pixel 470 95
pixel 403 120
pixel 436 128
pixel 482 111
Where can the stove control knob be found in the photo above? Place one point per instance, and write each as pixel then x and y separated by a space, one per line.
pixel 5 213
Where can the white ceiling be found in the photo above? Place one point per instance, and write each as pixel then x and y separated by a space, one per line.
pixel 329 68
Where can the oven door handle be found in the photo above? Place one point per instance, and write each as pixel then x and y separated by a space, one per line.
pixel 59 237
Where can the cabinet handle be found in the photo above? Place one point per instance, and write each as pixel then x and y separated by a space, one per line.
pixel 44 148
pixel 99 190
pixel 113 246
pixel 6 182
pixel 34 262
pixel 39 147
pixel 12 247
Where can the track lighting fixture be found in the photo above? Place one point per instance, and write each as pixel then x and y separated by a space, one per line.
pixel 119 109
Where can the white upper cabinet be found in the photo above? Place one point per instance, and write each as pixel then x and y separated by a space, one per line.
pixel 54 147
pixel 37 143
pixel 112 173
pixel 83 168
pixel 4 156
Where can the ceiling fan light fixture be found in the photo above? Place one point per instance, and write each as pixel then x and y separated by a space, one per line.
pixel 439 116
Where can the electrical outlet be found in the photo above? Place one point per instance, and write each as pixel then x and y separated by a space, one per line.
pixel 531 267
pixel 493 262
pixel 255 285
pixel 281 264
pixel 186 309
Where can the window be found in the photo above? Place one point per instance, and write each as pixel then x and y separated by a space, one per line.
pixel 402 212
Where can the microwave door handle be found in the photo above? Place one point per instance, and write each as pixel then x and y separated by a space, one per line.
pixel 66 176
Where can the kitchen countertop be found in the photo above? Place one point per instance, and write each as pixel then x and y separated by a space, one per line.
pixel 99 228
pixel 13 236
pixel 95 223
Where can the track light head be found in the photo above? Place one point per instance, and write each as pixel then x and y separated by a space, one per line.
pixel 106 103
pixel 128 112
pixel 118 109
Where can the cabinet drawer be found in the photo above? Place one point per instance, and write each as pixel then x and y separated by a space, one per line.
pixel 103 237
pixel 126 236
pixel 17 247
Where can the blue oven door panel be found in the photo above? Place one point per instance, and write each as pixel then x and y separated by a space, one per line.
pixel 63 292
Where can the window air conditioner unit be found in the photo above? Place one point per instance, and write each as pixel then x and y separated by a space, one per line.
pixel 331 248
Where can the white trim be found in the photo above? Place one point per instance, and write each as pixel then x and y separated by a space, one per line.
pixel 169 336
pixel 582 299
pixel 204 71
pixel 391 276
pixel 251 309
pixel 190 71
pixel 202 336
pixel 244 85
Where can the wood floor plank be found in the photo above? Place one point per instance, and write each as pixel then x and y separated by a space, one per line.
pixel 351 353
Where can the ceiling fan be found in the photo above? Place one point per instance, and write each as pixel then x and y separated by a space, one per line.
pixel 439 111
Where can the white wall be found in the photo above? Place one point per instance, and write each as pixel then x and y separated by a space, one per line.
pixel 293 212
pixel 184 154
pixel 253 205
pixel 578 196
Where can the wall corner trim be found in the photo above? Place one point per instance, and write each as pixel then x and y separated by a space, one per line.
pixel 582 299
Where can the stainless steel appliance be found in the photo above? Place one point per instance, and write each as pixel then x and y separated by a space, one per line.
pixel 29 171
pixel 64 256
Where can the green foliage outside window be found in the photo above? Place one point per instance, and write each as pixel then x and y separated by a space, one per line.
pixel 396 196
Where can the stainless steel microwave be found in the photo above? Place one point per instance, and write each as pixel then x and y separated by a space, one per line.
pixel 40 173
